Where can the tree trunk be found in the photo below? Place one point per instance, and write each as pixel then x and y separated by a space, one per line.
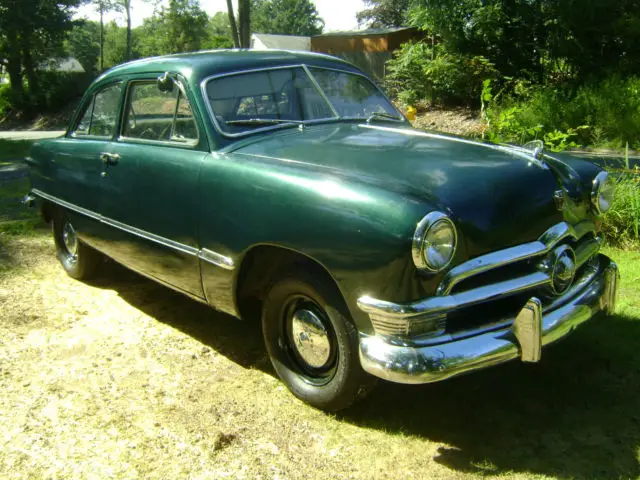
pixel 234 27
pixel 101 36
pixel 29 67
pixel 244 7
pixel 14 68
pixel 127 6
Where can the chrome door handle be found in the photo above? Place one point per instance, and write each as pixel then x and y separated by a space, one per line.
pixel 109 158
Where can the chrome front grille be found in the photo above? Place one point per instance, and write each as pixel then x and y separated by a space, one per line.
pixel 489 278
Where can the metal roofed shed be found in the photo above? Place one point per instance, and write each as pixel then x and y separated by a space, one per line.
pixel 264 41
pixel 368 49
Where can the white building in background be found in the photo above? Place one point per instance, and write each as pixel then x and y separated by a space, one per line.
pixel 265 41
pixel 63 65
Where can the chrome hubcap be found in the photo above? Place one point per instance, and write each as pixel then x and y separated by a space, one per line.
pixel 310 338
pixel 70 239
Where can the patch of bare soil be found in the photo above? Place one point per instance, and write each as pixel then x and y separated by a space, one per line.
pixel 126 379
pixel 459 121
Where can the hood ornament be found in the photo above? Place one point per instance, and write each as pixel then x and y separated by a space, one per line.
pixel 536 147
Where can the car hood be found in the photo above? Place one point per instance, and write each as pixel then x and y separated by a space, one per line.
pixel 498 197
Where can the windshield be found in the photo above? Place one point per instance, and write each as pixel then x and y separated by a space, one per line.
pixel 250 101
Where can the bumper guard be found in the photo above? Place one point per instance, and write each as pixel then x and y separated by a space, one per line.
pixel 531 329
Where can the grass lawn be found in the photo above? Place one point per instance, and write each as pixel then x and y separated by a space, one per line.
pixel 123 378
pixel 12 150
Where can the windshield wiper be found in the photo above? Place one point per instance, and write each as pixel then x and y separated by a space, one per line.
pixel 384 116
pixel 261 121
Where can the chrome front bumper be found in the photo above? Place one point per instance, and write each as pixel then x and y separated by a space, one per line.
pixel 531 329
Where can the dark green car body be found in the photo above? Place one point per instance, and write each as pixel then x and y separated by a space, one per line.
pixel 212 218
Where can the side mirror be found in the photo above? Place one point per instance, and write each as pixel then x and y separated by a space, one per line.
pixel 165 83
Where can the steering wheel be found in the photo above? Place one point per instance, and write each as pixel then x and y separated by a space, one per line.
pixel 148 133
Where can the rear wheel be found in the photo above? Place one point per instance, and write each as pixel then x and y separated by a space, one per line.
pixel 312 343
pixel 78 259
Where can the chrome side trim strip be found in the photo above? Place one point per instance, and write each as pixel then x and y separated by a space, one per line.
pixel 189 250
pixel 203 254
pixel 216 259
pixel 65 204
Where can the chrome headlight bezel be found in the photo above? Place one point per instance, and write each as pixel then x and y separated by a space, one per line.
pixel 420 241
pixel 602 180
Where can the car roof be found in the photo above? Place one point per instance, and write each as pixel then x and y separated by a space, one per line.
pixel 199 65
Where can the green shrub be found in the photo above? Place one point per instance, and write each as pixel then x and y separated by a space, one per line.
pixel 605 113
pixel 58 89
pixel 621 224
pixel 421 72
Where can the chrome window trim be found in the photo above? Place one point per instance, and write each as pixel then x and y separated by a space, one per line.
pixel 204 254
pixel 402 118
pixel 205 97
pixel 162 143
pixel 78 117
pixel 306 68
pixel 190 145
pixel 319 88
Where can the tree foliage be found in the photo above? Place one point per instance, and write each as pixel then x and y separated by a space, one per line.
pixel 30 32
pixel 182 26
pixel 83 43
pixel 286 17
pixel 534 38
pixel 384 13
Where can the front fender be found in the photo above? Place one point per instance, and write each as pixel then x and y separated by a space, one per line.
pixel 360 233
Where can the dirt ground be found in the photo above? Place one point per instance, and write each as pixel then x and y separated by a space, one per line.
pixel 459 121
pixel 126 379
pixel 122 378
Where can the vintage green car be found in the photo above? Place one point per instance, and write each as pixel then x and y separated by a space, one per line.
pixel 286 186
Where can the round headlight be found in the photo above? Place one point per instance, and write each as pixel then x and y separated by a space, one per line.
pixel 434 242
pixel 602 193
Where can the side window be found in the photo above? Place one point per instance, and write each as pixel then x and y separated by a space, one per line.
pixel 159 116
pixel 100 116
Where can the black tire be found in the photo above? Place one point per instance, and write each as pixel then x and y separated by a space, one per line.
pixel 340 381
pixel 80 262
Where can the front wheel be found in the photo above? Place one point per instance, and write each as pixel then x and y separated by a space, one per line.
pixel 312 343
pixel 79 260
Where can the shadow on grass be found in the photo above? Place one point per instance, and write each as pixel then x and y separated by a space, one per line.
pixel 240 341
pixel 574 415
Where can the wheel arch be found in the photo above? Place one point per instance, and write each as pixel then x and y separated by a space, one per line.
pixel 260 267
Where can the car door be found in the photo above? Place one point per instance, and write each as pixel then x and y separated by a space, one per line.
pixel 150 181
pixel 76 159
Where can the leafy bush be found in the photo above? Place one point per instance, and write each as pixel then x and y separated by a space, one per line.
pixel 621 224
pixel 421 72
pixel 605 113
pixel 58 89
